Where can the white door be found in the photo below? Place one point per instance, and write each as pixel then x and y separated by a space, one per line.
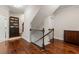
pixel 2 28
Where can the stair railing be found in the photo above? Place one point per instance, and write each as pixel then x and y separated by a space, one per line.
pixel 44 35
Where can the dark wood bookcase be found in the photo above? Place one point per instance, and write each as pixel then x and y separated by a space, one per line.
pixel 13 26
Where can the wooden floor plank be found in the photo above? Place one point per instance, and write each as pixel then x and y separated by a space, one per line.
pixel 21 46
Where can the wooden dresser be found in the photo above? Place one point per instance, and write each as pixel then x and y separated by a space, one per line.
pixel 71 36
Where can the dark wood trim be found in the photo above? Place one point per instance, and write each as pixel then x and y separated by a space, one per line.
pixel 50 29
pixel 43 39
pixel 35 30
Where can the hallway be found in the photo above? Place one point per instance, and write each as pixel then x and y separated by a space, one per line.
pixel 38 24
pixel 20 46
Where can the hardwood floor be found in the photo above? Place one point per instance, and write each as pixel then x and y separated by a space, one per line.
pixel 20 46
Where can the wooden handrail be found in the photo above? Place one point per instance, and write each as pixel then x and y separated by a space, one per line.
pixel 50 29
pixel 35 30
pixel 46 34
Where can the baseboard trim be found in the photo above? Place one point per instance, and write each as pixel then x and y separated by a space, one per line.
pixel 58 39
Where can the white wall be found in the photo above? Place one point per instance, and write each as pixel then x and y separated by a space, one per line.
pixel 4 12
pixel 29 15
pixel 66 19
pixel 21 21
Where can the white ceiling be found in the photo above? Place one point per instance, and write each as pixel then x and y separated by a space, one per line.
pixel 20 10
pixel 17 10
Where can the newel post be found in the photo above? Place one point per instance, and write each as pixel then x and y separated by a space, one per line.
pixel 43 38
